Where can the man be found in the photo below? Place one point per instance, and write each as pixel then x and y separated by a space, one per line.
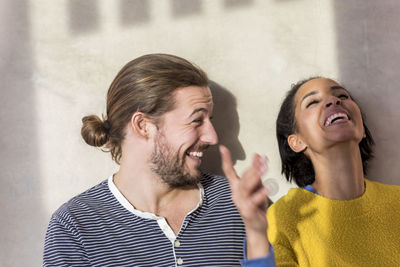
pixel 158 209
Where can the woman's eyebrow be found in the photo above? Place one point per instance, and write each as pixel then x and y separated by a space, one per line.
pixel 338 87
pixel 335 87
pixel 309 94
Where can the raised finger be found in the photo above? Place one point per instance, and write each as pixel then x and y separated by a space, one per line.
pixel 251 178
pixel 260 198
pixel 227 165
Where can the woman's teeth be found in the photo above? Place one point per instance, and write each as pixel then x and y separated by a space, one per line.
pixel 340 116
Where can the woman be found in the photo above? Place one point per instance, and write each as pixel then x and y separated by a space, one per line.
pixel 336 217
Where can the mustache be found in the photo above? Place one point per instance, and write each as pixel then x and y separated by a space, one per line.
pixel 200 147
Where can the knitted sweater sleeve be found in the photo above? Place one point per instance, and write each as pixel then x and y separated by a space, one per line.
pixel 284 253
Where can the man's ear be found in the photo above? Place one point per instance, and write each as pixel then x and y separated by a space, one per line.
pixel 296 144
pixel 141 124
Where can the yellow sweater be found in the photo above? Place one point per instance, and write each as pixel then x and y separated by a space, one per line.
pixel 306 229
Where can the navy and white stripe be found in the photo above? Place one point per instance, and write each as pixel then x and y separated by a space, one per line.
pixel 95 229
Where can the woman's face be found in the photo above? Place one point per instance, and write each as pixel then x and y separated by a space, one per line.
pixel 326 116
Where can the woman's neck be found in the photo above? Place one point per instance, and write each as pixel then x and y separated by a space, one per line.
pixel 339 173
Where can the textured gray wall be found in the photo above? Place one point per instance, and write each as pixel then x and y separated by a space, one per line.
pixel 57 59
pixel 368 49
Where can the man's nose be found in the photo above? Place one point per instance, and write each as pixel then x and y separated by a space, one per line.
pixel 209 135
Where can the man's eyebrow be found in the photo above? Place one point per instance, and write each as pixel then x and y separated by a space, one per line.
pixel 198 110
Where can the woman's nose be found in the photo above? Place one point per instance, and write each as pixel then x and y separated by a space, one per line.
pixel 333 100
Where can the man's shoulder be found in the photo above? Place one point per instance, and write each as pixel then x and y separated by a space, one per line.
pixel 87 201
pixel 215 183
pixel 218 202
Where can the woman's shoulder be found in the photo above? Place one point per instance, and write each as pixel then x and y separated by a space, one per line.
pixel 290 204
pixel 381 185
pixel 382 190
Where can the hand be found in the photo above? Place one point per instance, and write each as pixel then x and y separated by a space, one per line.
pixel 251 199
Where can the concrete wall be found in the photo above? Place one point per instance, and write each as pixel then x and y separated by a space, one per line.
pixel 57 59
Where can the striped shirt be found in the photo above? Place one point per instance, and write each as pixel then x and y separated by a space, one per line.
pixel 101 228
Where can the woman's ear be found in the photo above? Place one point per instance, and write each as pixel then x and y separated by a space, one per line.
pixel 296 144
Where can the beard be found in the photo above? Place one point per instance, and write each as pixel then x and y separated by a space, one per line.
pixel 170 166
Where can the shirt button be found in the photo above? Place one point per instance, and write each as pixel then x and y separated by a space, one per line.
pixel 177 244
pixel 180 261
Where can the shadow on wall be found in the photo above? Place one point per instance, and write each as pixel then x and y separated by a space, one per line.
pixel 84 16
pixel 22 219
pixel 369 61
pixel 134 12
pixel 181 8
pixel 237 3
pixel 226 124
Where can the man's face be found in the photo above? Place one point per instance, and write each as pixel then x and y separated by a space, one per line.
pixel 183 135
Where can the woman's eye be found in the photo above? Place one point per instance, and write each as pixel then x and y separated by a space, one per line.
pixel 343 96
pixel 312 103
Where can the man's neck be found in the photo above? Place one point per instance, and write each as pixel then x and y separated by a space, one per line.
pixel 339 173
pixel 147 192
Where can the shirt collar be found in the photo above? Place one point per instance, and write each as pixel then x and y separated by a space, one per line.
pixel 144 214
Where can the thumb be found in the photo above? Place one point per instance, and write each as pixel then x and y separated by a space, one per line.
pixel 227 165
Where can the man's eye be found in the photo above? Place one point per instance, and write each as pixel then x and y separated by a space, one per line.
pixel 312 103
pixel 198 121
pixel 343 96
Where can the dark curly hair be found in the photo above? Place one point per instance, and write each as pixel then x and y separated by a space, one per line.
pixel 297 166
